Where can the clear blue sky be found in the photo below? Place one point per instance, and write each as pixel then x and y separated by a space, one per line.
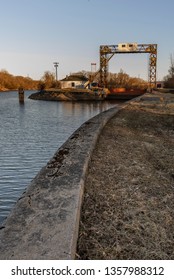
pixel 35 33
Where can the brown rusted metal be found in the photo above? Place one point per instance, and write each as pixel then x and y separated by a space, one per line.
pixel 108 51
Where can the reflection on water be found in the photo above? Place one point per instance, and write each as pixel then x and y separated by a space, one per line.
pixel 30 134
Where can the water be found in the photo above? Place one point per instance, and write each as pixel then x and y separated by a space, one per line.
pixel 30 134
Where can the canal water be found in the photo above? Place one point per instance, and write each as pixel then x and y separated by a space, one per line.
pixel 30 134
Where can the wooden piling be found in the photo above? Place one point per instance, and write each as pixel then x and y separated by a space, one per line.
pixel 21 95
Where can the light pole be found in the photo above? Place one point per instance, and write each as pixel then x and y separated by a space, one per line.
pixel 93 67
pixel 56 64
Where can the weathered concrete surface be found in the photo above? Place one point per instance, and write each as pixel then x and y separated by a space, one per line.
pixel 44 222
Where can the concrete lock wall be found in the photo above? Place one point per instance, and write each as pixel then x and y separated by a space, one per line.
pixel 44 222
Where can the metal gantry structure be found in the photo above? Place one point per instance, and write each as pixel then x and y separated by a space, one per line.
pixel 108 51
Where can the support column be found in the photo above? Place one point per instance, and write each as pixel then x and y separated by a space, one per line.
pixel 152 66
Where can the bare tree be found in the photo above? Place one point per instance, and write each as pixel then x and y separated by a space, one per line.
pixel 171 69
pixel 169 79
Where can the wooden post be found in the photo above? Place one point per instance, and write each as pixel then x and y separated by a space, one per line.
pixel 21 95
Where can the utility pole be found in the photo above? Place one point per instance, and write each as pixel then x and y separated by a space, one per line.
pixel 93 67
pixel 56 64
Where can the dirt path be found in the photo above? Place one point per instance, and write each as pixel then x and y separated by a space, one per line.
pixel 128 209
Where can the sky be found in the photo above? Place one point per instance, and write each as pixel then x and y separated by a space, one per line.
pixel 36 33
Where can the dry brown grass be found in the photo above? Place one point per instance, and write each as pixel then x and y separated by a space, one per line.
pixel 128 208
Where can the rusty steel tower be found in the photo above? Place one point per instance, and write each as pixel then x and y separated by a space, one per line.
pixel 108 51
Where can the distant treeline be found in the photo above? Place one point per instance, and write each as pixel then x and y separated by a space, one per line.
pixel 119 80
pixel 11 82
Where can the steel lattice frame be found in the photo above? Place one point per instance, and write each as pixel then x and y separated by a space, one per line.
pixel 108 51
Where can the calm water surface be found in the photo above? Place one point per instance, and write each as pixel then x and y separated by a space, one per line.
pixel 30 134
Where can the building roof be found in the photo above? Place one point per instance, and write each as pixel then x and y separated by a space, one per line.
pixel 75 77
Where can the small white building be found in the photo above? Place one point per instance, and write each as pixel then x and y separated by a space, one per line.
pixel 73 81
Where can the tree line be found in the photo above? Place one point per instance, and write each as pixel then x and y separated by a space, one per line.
pixel 11 82
pixel 118 80
pixel 169 79
pixel 122 79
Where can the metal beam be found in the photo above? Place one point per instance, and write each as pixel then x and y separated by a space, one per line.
pixel 108 51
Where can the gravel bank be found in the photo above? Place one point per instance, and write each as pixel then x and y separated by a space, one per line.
pixel 128 207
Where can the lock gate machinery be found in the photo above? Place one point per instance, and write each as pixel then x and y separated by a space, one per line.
pixel 108 51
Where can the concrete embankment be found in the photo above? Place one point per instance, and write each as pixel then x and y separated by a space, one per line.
pixel 45 220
